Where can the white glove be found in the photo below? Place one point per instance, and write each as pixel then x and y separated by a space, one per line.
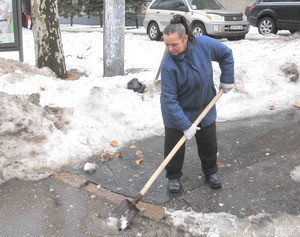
pixel 226 87
pixel 189 133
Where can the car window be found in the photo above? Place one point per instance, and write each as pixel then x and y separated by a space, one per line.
pixel 205 4
pixel 178 4
pixel 168 4
pixel 155 5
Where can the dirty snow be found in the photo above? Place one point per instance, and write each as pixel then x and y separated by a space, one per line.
pixel 89 167
pixel 295 174
pixel 224 224
pixel 54 123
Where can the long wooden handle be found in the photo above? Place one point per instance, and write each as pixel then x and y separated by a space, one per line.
pixel 178 145
pixel 159 69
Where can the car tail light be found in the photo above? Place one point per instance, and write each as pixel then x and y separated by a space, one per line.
pixel 252 8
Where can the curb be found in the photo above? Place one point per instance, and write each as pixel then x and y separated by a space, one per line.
pixel 147 210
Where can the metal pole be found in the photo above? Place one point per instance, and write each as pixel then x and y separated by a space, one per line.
pixel 20 35
pixel 113 37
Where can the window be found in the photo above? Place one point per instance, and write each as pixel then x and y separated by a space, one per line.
pixel 155 5
pixel 165 4
pixel 206 4
pixel 168 4
pixel 177 4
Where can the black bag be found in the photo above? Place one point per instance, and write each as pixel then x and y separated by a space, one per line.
pixel 136 86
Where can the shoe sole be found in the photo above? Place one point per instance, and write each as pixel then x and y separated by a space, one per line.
pixel 215 186
pixel 174 191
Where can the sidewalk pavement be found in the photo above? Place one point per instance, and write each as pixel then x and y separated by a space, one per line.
pixel 256 158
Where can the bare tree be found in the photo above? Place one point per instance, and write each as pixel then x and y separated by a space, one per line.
pixel 94 8
pixel 47 37
pixel 69 8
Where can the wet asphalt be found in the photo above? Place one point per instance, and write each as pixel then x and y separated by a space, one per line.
pixel 51 208
pixel 256 158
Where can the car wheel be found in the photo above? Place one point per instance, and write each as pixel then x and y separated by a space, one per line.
pixel 236 38
pixel 267 26
pixel 199 29
pixel 154 32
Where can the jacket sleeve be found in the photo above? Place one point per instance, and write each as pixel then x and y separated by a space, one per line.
pixel 223 55
pixel 171 108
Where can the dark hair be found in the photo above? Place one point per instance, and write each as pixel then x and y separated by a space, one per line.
pixel 180 26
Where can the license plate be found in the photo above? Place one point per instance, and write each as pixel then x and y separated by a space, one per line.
pixel 236 27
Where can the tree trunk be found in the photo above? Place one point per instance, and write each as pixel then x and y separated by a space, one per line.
pixel 136 18
pixel 137 22
pixel 47 37
pixel 114 35
pixel 101 17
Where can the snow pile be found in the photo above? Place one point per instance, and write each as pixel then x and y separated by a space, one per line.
pixel 26 132
pixel 223 224
pixel 51 123
pixel 266 75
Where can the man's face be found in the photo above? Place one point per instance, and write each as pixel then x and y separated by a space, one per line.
pixel 174 44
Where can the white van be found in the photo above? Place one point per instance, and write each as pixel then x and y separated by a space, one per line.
pixel 207 17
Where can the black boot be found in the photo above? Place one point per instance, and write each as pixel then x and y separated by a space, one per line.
pixel 174 185
pixel 214 181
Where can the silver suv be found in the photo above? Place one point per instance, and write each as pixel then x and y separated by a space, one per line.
pixel 207 17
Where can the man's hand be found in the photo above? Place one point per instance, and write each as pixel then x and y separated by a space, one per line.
pixel 226 87
pixel 189 133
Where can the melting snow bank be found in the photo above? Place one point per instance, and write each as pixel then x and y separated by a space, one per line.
pixel 46 123
pixel 33 139
pixel 223 224
pixel 295 174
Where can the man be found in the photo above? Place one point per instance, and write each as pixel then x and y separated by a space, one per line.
pixel 186 88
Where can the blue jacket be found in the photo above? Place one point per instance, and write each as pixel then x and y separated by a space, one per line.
pixel 187 82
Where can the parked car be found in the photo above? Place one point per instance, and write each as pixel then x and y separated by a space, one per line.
pixel 269 16
pixel 207 17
